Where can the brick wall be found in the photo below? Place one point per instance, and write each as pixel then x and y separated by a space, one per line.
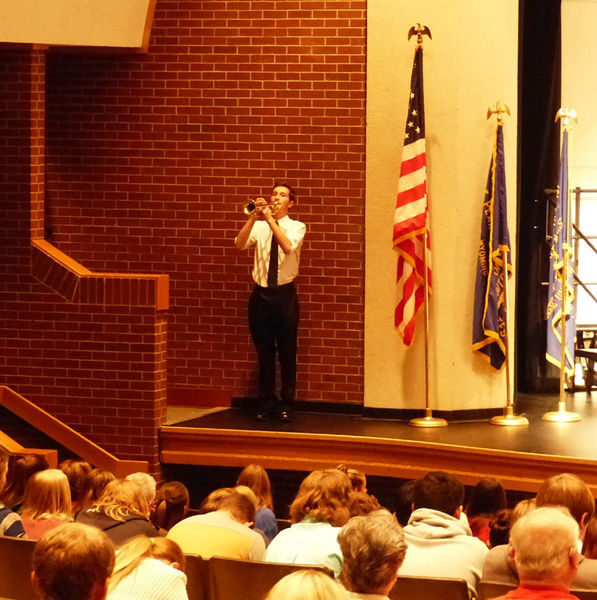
pixel 150 158
pixel 99 367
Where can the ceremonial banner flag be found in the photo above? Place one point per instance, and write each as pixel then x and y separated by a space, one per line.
pixel 490 312
pixel 561 306
pixel 411 218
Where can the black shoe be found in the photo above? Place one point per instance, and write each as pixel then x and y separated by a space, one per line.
pixel 285 416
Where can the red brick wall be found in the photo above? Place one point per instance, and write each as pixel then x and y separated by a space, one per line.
pixel 150 157
pixel 100 368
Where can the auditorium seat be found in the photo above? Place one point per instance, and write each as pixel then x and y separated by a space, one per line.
pixel 428 588
pixel 197 570
pixel 15 569
pixel 237 579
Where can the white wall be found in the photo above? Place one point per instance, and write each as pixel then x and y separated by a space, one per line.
pixel 470 63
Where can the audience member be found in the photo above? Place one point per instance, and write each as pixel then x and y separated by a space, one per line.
pixel 256 478
pixel 19 471
pixel 46 503
pixel 373 549
pixel 487 498
pixel 10 522
pixel 320 508
pixel 223 528
pixel 362 503
pixel 147 483
pixel 572 492
pixel 545 551
pixel 171 505
pixel 439 543
pixel 95 482
pixel 307 584
pixel 499 528
pixel 148 569
pixel 72 562
pixel 76 470
pixel 589 547
pixel 358 479
pixel 121 511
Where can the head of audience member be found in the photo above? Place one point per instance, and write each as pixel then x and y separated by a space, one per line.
pixel 95 482
pixel 404 501
pixel 589 546
pixel 72 562
pixel 21 468
pixel 133 552
pixel 171 505
pixel 250 494
pixel 544 547
pixel 256 477
pixel 487 498
pixel 230 500
pixel 323 496
pixel 146 482
pixel 121 500
pixel 76 471
pixel 47 495
pixel 373 548
pixel 358 479
pixel 307 584
pixel 570 491
pixel 440 491
pixel 362 503
pixel 499 528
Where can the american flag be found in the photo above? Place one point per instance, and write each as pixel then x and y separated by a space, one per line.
pixel 411 219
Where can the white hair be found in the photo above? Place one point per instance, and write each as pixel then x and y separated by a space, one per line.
pixel 543 541
pixel 146 482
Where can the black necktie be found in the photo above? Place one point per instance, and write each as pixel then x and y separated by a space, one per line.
pixel 272 272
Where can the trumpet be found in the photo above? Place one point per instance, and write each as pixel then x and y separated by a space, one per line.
pixel 251 206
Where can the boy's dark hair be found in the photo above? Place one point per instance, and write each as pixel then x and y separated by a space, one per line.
pixel 291 190
pixel 439 491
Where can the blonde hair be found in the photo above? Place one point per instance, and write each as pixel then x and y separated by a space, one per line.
pixel 307 584
pixel 570 491
pixel 122 499
pixel 256 477
pixel 247 492
pixel 47 495
pixel 132 553
pixel 323 496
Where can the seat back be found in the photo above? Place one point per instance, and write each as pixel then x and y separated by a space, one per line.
pixel 197 570
pixel 429 588
pixel 15 568
pixel 247 579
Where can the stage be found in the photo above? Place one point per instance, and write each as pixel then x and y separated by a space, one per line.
pixel 521 457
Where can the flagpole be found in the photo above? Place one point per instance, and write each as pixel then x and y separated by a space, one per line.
pixel 562 415
pixel 428 420
pixel 508 418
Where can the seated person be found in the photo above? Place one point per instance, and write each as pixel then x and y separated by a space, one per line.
pixel 544 547
pixel 10 522
pixel 307 584
pixel 373 548
pixel 72 562
pixel 223 528
pixel 320 508
pixel 439 543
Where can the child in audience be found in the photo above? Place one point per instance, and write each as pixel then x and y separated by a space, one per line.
pixel 95 482
pixel 10 522
pixel 487 498
pixel 358 479
pixel 46 503
pixel 171 505
pixel 148 569
pixel 319 510
pixel 19 471
pixel 307 584
pixel 256 478
pixel 76 470
pixel 589 547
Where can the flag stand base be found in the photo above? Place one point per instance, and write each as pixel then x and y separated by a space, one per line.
pixel 561 415
pixel 428 421
pixel 509 418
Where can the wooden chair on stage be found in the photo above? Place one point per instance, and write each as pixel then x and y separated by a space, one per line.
pixel 428 588
pixel 197 571
pixel 15 569
pixel 237 579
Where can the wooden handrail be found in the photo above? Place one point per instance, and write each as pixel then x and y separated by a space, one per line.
pixel 66 436
pixel 11 446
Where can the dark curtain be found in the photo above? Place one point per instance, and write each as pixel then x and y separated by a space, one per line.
pixel 538 165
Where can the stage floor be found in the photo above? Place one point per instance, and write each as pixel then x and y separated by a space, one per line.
pixel 521 456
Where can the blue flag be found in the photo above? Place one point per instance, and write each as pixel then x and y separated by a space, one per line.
pixel 490 312
pixel 560 303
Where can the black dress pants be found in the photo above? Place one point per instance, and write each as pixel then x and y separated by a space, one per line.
pixel 273 322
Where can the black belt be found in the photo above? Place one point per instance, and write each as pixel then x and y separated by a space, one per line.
pixel 275 290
